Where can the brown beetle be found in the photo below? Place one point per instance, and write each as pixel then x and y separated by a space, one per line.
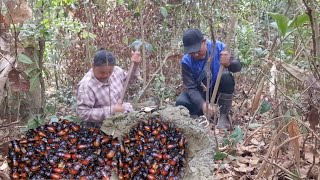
pixel 111 154
pixel 64 155
pixel 58 170
pixel 15 146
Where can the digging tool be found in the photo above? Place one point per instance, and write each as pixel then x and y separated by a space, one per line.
pixel 126 84
pixel 221 68
pixel 216 85
pixel 136 45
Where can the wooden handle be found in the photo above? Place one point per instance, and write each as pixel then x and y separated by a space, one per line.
pixel 216 85
pixel 126 84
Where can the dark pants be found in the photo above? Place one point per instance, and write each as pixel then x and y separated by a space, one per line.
pixel 226 86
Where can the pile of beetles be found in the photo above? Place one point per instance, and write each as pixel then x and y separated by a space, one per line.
pixel 153 149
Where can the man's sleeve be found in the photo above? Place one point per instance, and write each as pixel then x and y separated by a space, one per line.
pixel 85 110
pixel 235 65
pixel 191 86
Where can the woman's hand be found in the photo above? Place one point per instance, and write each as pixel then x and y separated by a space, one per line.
pixel 136 57
pixel 118 108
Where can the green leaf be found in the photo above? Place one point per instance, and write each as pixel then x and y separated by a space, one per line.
pixel 24 59
pixel 265 107
pixel 299 21
pixel 40 120
pixel 120 2
pixel 148 47
pixel 85 34
pixel 219 155
pixel 46 72
pixel 162 78
pixel 50 109
pixel 32 71
pixel 237 134
pixel 39 3
pixel 92 36
pixel 32 124
pixel 282 22
pixel 164 11
pixel 33 81
pixel 137 12
pixel 136 44
pixel 226 141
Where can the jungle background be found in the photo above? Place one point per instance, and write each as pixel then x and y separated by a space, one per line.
pixel 46 46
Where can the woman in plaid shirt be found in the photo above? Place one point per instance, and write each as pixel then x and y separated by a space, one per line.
pixel 98 95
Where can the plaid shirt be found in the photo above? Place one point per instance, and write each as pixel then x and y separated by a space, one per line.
pixel 95 98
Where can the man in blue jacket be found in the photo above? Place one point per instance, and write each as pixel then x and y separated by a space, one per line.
pixel 197 50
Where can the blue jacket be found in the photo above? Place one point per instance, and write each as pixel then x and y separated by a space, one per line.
pixel 194 72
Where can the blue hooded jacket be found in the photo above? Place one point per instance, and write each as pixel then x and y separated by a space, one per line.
pixel 194 72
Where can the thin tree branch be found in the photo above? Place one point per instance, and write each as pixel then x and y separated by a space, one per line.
pixel 282 169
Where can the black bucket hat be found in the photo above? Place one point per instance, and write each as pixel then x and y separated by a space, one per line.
pixel 192 39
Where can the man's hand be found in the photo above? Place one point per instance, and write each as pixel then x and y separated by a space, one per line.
pixel 225 58
pixel 136 57
pixel 118 108
pixel 211 109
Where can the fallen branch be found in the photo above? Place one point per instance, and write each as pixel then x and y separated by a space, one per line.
pixel 286 141
pixel 310 130
pixel 272 144
pixel 10 124
pixel 282 169
pixel 258 129
pixel 313 158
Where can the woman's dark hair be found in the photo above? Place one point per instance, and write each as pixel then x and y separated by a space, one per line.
pixel 103 57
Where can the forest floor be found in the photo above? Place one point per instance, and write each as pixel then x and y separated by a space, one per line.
pixel 261 145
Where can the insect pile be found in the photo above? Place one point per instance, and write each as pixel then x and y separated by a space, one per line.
pixel 153 149
pixel 62 150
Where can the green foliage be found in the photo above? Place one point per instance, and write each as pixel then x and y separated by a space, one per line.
pixel 282 22
pixel 299 21
pixel 219 155
pixel 164 11
pixel 34 81
pixel 246 38
pixel 285 25
pixel 33 73
pixel 24 59
pixel 86 34
pixel 65 95
pixel 161 89
pixel 35 121
pixel 57 28
pixel 265 107
pixel 137 44
pixel 235 137
pixel 120 2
